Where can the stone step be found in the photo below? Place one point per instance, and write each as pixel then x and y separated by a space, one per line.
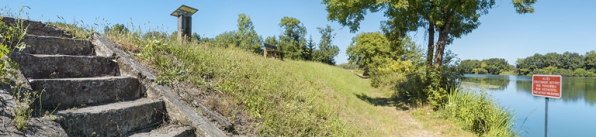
pixel 65 66
pixel 57 45
pixel 39 28
pixel 168 131
pixel 115 119
pixel 77 92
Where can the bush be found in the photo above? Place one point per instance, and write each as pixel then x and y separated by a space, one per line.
pixel 580 72
pixel 479 113
pixel 564 72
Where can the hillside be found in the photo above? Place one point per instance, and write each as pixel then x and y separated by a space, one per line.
pixel 268 97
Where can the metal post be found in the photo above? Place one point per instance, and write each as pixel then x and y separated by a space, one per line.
pixel 546 118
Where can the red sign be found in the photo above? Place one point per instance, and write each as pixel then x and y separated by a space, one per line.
pixel 547 85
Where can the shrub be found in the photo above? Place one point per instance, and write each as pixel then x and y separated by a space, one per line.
pixel 479 113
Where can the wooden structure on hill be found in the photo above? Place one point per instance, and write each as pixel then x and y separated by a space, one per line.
pixel 272 52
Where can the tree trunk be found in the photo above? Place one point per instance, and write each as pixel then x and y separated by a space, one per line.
pixel 443 35
pixel 431 44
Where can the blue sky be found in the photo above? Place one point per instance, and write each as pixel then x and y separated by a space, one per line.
pixel 556 26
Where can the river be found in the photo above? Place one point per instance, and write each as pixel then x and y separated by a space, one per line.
pixel 573 115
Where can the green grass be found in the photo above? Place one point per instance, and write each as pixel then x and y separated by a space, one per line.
pixel 479 113
pixel 274 97
pixel 287 98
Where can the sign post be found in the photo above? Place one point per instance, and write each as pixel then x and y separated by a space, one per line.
pixel 547 86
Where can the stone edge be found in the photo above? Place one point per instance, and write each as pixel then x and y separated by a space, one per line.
pixel 178 110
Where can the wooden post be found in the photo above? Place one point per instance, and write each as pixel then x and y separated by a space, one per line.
pixel 265 52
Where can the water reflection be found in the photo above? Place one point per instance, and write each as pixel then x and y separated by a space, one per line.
pixel 572 115
pixel 574 89
pixel 496 82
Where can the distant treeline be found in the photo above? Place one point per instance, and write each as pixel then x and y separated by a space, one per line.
pixel 292 40
pixel 493 66
pixel 348 66
pixel 568 64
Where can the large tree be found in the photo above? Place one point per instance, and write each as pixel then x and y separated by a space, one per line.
pixel 326 51
pixel 449 18
pixel 367 46
pixel 248 38
pixel 292 41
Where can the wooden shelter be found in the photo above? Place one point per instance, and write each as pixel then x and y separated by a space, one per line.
pixel 272 52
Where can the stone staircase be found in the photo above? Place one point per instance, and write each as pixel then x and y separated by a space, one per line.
pixel 91 94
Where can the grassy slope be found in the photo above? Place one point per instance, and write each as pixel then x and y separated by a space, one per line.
pixel 272 97
pixel 289 97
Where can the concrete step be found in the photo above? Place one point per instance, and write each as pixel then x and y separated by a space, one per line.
pixel 52 45
pixel 115 119
pixel 65 66
pixel 39 28
pixel 168 131
pixel 77 92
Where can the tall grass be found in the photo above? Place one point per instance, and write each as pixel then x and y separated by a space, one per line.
pixel 277 93
pixel 479 113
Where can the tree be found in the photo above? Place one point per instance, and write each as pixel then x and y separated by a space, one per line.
pixel 468 66
pixel 326 51
pixel 450 18
pixel 117 28
pixel 248 38
pixel 310 49
pixel 590 60
pixel 195 36
pixel 292 42
pixel 365 47
pixel 155 35
pixel 227 39
pixel 271 41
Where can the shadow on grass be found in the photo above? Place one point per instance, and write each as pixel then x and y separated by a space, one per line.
pixel 359 75
pixel 383 101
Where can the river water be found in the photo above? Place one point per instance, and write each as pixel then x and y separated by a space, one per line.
pixel 573 115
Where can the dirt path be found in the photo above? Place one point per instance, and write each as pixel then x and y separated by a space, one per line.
pixel 402 121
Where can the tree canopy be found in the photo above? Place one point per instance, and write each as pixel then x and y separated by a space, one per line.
pixel 450 18
pixel 493 66
pixel 247 36
pixel 566 64
pixel 326 51
pixel 292 42
pixel 365 47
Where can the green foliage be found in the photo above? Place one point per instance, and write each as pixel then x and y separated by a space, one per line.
pixel 11 36
pixel 479 113
pixel 157 35
pixel 365 47
pixel 566 64
pixel 348 66
pixel 118 28
pixel 227 39
pixel 251 83
pixel 292 41
pixel 487 66
pixel 451 19
pixel 524 6
pixel 590 60
pixel 326 51
pixel 271 41
pixel 248 38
